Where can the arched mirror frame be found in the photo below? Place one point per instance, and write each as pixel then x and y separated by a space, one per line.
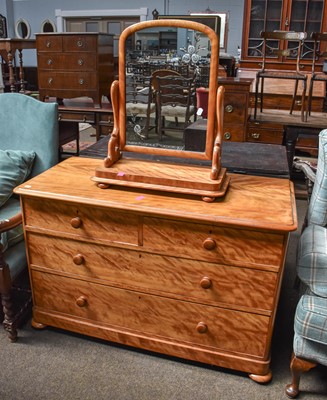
pixel 213 84
pixel 48 22
pixel 22 21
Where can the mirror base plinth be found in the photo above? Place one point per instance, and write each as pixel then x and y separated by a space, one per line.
pixel 166 177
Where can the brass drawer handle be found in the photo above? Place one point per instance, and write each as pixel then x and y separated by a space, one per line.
pixel 298 103
pixel 76 222
pixel 201 327
pixel 79 43
pixel 48 44
pixel 50 81
pixel 78 259
pixel 206 283
pixel 255 136
pixel 81 301
pixel 81 81
pixel 227 135
pixel 229 108
pixel 80 62
pixel 49 61
pixel 59 117
pixel 209 244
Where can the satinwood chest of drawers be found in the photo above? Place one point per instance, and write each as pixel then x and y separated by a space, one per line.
pixel 167 273
pixel 75 65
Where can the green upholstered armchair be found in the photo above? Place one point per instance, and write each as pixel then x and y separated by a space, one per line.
pixel 310 322
pixel 28 146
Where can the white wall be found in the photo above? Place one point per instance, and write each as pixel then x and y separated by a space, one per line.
pixel 36 11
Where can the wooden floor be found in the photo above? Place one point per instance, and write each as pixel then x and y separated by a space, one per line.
pixel 283 117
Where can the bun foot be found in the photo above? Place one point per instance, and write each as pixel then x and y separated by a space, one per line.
pixel 38 325
pixel 208 199
pixel 261 378
pixel 103 185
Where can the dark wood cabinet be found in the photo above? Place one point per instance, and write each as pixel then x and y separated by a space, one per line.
pixel 75 65
pixel 291 15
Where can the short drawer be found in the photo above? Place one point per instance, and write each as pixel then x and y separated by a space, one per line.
pixel 79 43
pixel 88 222
pixel 72 80
pixel 234 132
pixel 213 243
pixel 88 117
pixel 66 62
pixel 235 108
pixel 264 133
pixel 151 316
pixel 174 277
pixel 48 43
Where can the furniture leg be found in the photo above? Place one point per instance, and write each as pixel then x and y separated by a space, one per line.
pixel 294 96
pixel 297 367
pixel 11 72
pixel 261 94
pixel 7 306
pixel 256 97
pixel 21 72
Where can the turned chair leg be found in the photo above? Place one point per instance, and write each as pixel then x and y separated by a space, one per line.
pixel 6 300
pixel 297 367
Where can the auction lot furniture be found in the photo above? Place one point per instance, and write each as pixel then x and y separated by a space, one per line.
pixel 74 65
pixel 160 271
pixel 8 48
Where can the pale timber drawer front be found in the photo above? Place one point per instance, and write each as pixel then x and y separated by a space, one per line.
pixel 202 325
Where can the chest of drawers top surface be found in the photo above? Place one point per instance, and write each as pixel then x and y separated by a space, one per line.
pixel 251 201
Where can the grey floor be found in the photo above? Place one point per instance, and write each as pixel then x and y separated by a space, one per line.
pixel 53 364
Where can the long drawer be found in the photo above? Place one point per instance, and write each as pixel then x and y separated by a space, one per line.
pixel 174 277
pixel 66 62
pixel 139 313
pixel 79 80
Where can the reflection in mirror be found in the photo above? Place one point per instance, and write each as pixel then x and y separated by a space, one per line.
pixel 22 29
pixel 48 26
pixel 163 71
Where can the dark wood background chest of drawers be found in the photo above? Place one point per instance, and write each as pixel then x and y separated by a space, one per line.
pixel 75 65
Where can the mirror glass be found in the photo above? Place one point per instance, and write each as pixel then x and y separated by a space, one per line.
pixel 158 84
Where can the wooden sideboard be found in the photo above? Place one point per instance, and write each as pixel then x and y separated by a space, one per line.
pixel 167 273
pixel 74 65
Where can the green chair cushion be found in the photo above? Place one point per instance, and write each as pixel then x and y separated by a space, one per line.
pixel 15 167
pixel 317 211
pixel 311 319
pixel 312 259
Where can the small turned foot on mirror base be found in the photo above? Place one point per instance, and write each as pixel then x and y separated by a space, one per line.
pixel 37 325
pixel 103 185
pixel 261 378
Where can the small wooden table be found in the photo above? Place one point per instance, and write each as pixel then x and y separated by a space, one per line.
pixel 81 109
pixel 8 47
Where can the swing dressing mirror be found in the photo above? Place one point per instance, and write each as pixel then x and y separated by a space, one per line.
pixel 190 179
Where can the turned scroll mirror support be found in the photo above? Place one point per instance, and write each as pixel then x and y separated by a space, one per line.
pixel 190 178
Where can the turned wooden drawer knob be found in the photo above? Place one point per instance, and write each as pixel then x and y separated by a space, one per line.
pixel 76 222
pixel 78 259
pixel 81 301
pixel 209 244
pixel 206 283
pixel 229 108
pixel 227 135
pixel 201 327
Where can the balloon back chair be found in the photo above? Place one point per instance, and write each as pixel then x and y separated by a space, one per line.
pixel 310 322
pixel 28 146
